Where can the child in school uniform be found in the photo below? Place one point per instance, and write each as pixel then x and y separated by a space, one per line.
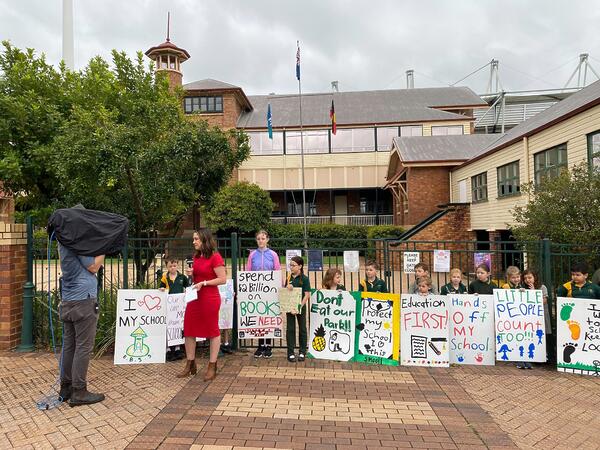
pixel 372 283
pixel 421 270
pixel 513 276
pixel 297 279
pixel 455 286
pixel 531 280
pixel 424 286
pixel 173 282
pixel 333 279
pixel 482 285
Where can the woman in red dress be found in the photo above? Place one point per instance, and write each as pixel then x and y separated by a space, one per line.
pixel 202 315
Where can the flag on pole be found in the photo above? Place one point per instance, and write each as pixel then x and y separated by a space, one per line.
pixel 269 122
pixel 332 117
pixel 298 61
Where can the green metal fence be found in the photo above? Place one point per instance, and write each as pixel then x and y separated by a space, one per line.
pixel 141 262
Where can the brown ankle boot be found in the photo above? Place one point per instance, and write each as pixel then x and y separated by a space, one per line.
pixel 211 371
pixel 189 369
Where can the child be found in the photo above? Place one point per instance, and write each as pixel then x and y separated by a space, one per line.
pixel 371 283
pixel 482 285
pixel 455 286
pixel 173 282
pixel 530 280
pixel 263 258
pixel 579 286
pixel 421 270
pixel 513 275
pixel 424 286
pixel 332 279
pixel 297 279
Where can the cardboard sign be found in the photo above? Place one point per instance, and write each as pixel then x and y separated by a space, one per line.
pixel 290 301
pixel 351 261
pixel 519 316
pixel 378 328
pixel 289 254
pixel 258 304
pixel 141 326
pixel 331 332
pixel 472 329
pixel 424 330
pixel 226 311
pixel 315 260
pixel 441 260
pixel 411 259
pixel 578 335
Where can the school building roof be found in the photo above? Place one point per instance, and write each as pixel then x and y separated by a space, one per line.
pixel 442 148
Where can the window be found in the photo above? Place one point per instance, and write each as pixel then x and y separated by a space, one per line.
pixel 412 130
pixel 385 135
pixel 549 163
pixel 447 130
pixel 509 179
pixel 203 104
pixel 462 191
pixel 593 141
pixel 315 141
pixel 353 140
pixel 479 187
pixel 260 144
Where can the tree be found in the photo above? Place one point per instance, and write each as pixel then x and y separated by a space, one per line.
pixel 241 207
pixel 565 209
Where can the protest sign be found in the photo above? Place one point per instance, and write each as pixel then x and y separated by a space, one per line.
pixel 411 259
pixel 424 330
pixel 578 335
pixel 332 324
pixel 141 326
pixel 482 258
pixel 226 311
pixel 289 300
pixel 519 317
pixel 315 260
pixel 378 329
pixel 175 313
pixel 472 329
pixel 351 261
pixel 441 260
pixel 289 254
pixel 258 304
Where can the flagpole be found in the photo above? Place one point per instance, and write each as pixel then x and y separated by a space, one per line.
pixel 302 150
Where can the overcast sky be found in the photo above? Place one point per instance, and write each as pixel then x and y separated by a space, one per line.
pixel 363 44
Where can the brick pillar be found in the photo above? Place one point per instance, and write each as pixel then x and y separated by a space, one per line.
pixel 13 274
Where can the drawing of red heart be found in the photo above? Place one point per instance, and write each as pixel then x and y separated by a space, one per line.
pixel 150 302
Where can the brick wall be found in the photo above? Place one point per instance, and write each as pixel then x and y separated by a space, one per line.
pixel 13 274
pixel 427 187
pixel 231 110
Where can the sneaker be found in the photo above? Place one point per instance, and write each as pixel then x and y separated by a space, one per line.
pixel 520 365
pixel 259 353
pixel 226 348
pixel 528 365
pixel 300 357
pixel 179 354
pixel 292 358
pixel 268 352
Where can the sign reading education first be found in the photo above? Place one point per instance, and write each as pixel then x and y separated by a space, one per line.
pixel 258 304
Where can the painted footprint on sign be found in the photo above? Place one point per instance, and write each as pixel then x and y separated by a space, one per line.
pixel 460 358
pixel 566 310
pixel 574 328
pixel 570 348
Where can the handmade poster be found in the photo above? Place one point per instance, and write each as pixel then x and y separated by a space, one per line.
pixel 141 326
pixel 175 312
pixel 578 335
pixel 519 317
pixel 411 259
pixel 259 314
pixel 441 260
pixel 289 254
pixel 315 260
pixel 332 330
pixel 472 329
pixel 378 329
pixel 226 311
pixel 424 329
pixel 289 301
pixel 482 258
pixel 351 261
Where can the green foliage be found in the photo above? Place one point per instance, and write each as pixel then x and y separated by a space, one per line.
pixel 326 236
pixel 384 231
pixel 565 209
pixel 241 207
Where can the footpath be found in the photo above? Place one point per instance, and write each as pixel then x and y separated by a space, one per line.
pixel 312 405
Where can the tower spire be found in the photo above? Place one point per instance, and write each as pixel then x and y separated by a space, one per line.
pixel 168 25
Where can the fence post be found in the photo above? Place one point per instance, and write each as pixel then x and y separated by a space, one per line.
pixel 26 344
pixel 125 253
pixel 234 264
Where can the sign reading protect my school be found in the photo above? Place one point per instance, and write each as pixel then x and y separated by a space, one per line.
pixel 258 304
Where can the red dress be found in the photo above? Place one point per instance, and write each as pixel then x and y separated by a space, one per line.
pixel 202 316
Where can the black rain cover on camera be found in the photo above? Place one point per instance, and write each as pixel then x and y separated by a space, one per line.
pixel 88 232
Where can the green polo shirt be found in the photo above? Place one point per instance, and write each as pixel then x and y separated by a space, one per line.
pixel 378 285
pixel 481 288
pixel 176 286
pixel 300 281
pixel 588 290
pixel 450 289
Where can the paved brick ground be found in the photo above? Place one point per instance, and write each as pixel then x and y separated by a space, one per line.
pixel 311 405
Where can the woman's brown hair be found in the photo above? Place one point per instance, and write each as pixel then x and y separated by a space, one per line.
pixel 208 245
pixel 329 275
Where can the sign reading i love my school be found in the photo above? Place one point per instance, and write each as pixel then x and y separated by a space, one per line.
pixel 141 326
